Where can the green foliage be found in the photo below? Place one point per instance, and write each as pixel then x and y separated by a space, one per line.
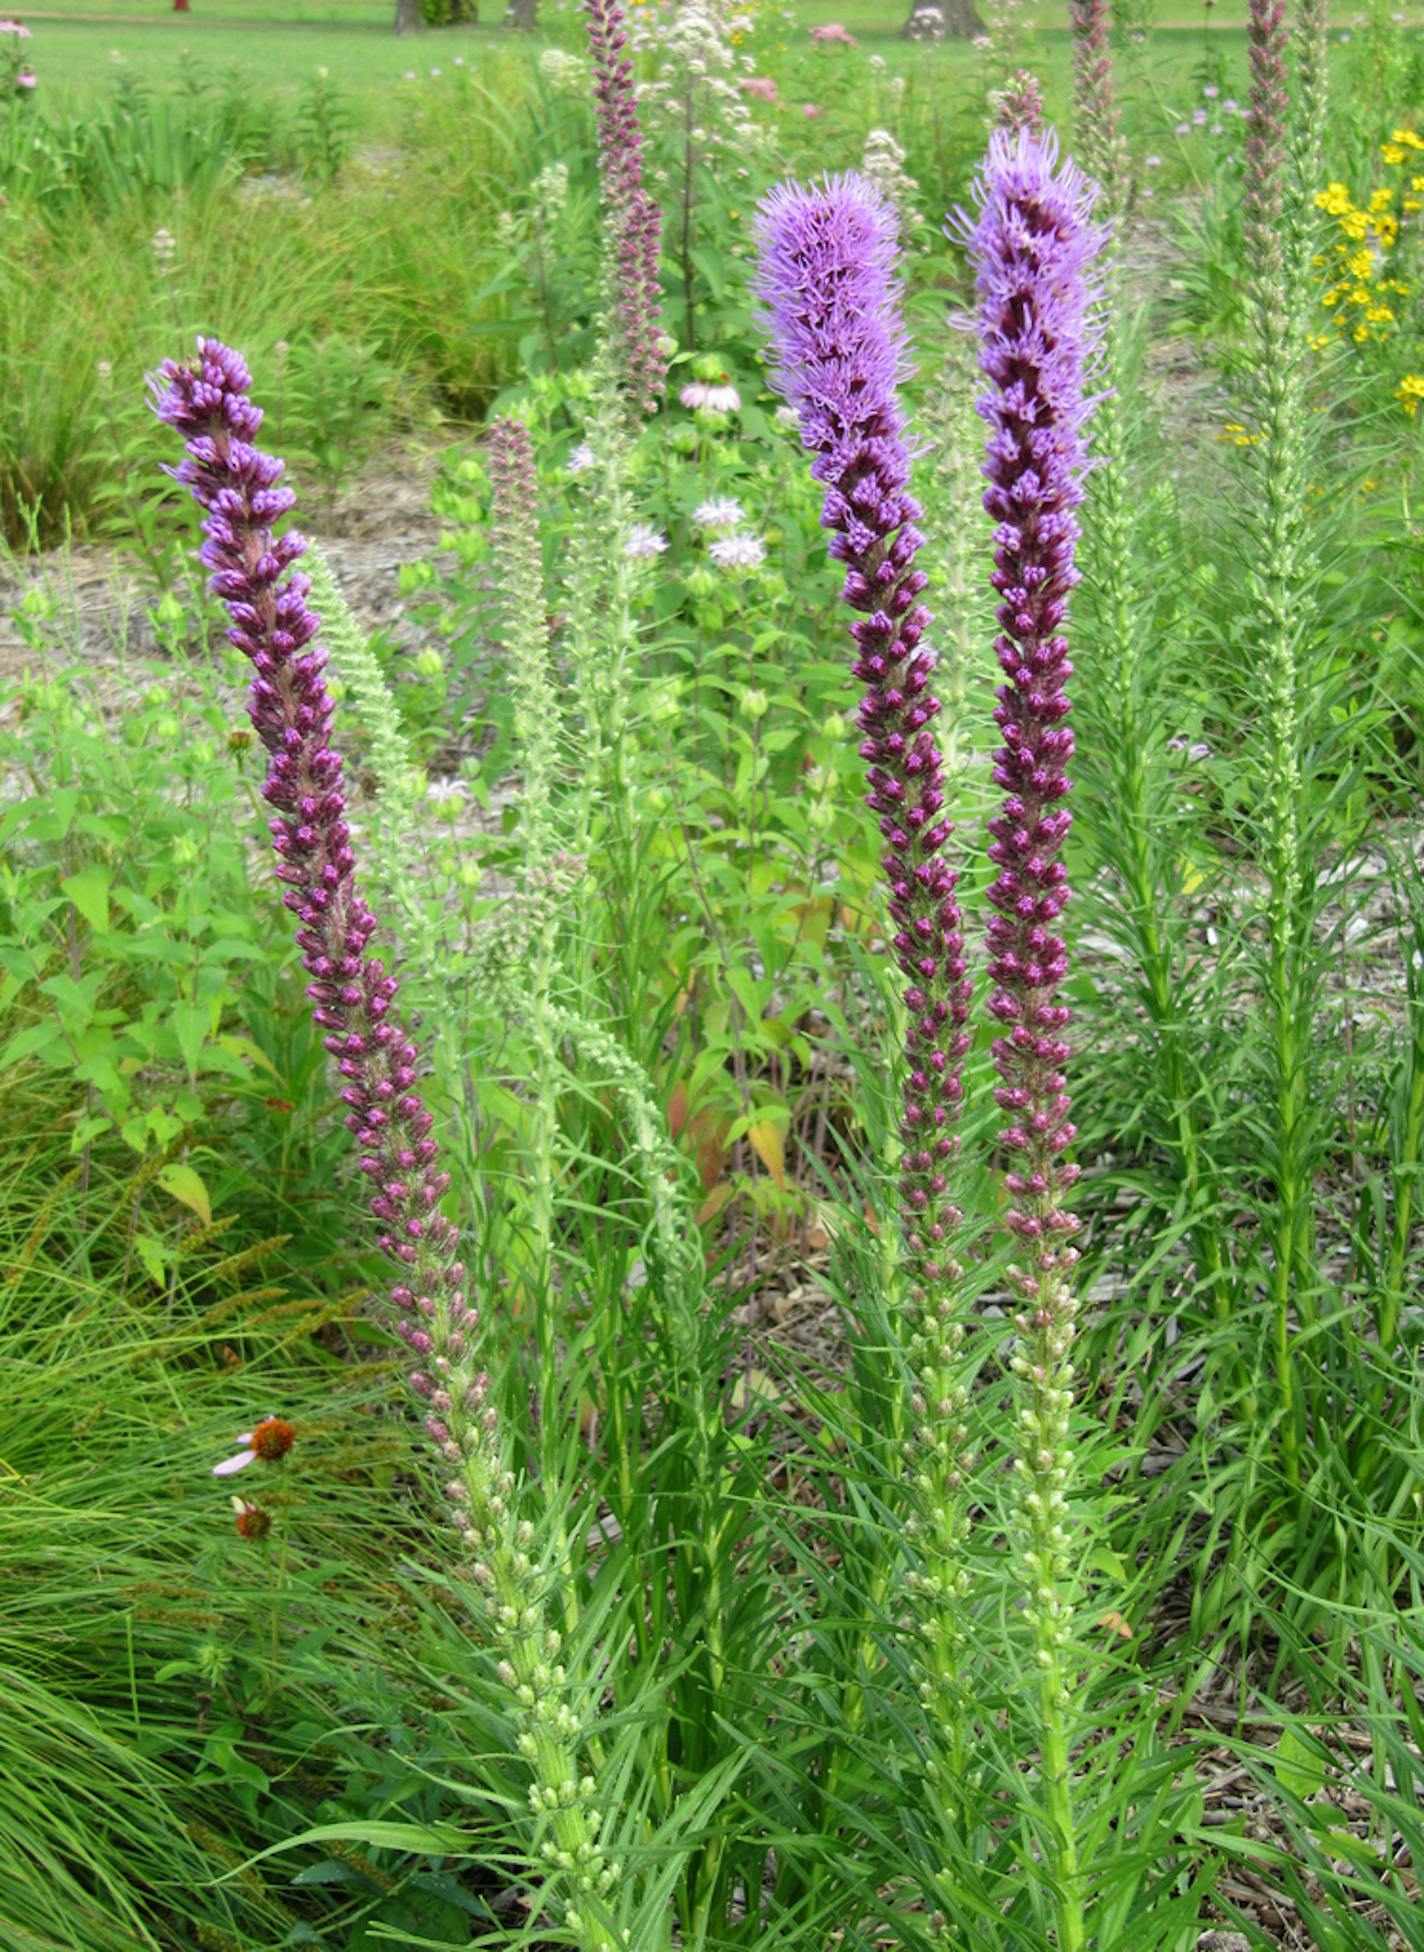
pixel 659 1065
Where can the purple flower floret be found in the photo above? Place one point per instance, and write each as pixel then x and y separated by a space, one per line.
pixel 828 276
pixel 1033 247
pixel 239 488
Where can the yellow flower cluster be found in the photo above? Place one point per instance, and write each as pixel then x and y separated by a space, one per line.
pixel 1358 287
pixel 1410 392
pixel 1404 145
pixel 1236 434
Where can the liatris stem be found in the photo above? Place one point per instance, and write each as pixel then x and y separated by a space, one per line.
pixel 1278 286
pixel 523 619
pixel 632 219
pixel 1033 247
pixel 238 488
pixel 400 780
pixel 828 276
pixel 1306 152
pixel 1095 116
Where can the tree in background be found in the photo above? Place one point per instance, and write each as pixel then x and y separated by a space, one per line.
pixel 942 20
pixel 408 17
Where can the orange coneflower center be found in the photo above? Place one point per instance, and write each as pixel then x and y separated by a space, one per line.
pixel 273 1438
pixel 253 1522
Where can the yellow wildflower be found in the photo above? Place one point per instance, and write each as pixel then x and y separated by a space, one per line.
pixel 1410 392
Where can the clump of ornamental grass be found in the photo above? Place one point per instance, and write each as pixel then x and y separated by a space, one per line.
pixel 353 994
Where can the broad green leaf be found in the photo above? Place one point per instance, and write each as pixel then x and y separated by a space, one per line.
pixel 89 891
pixel 154 1256
pixel 190 1026
pixel 766 1140
pixel 1298 1768
pixel 181 1182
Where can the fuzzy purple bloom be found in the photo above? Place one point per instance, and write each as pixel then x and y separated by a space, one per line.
pixel 239 488
pixel 828 277
pixel 1033 248
pixel 633 218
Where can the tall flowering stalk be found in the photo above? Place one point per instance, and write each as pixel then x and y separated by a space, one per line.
pixel 1276 208
pixel 828 277
pixel 633 221
pixel 1033 247
pixel 353 996
pixel 523 622
pixel 1095 115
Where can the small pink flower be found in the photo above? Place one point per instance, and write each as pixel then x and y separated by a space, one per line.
pixel 761 86
pixel 833 31
pixel 15 27
pixel 811 111
pixel 24 79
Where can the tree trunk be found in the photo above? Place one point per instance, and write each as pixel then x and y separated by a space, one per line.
pixel 942 20
pixel 409 19
pixel 522 15
pixel 180 6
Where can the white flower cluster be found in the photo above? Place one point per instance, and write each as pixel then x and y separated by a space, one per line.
pixel 883 161
pixel 551 193
pixel 697 87
pixel 563 73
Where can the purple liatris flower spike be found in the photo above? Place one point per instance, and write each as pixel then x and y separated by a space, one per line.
pixel 632 216
pixel 1019 104
pixel 1265 128
pixel 239 488
pixel 828 277
pixel 1033 248
pixel 1094 97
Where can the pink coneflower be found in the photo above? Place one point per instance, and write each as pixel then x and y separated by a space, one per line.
pixel 811 112
pixel 252 1522
pixel 761 86
pixel 270 1440
pixel 833 31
